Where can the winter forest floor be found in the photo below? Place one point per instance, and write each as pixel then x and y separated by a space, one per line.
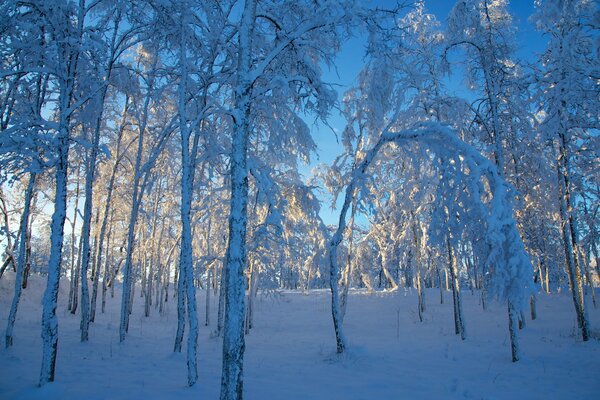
pixel 290 352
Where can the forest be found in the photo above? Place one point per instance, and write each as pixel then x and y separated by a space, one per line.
pixel 161 163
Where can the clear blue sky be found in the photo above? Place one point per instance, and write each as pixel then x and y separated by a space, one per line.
pixel 350 61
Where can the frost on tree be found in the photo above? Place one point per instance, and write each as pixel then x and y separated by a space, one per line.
pixel 507 265
pixel 569 88
pixel 287 70
pixel 53 33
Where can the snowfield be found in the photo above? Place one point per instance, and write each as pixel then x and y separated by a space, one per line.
pixel 290 352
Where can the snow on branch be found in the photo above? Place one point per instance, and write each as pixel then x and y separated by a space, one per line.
pixel 507 265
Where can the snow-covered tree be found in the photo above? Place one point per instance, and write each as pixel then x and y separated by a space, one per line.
pixel 568 83
pixel 279 48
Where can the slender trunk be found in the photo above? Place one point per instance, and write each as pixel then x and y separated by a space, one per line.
pixel 418 252
pixel 127 281
pixel 74 286
pixel 106 277
pixel 89 182
pixel 522 321
pixel 447 281
pixel 27 269
pixel 588 277
pixel 391 283
pixel 164 294
pixel 207 309
pixel 439 274
pixel 180 313
pixel 420 295
pixel 514 341
pixel 85 236
pixel 85 248
pixel 347 276
pixel 10 248
pixel 547 280
pixel 335 241
pixel 221 307
pixel 8 261
pixel 76 282
pixel 235 259
pixel 24 232
pixel 187 183
pixel 108 201
pixel 573 270
pixel 160 267
pixel 151 270
pixel 249 300
pixel 95 273
pixel 136 199
pixel 142 258
pixel 459 325
pixel 185 259
pixel 541 274
pixel 596 255
pixel 50 299
pixel 209 255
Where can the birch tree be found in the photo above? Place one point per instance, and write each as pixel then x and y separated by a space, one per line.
pixel 287 35
pixel 60 29
pixel 119 36
pixel 485 28
pixel 569 83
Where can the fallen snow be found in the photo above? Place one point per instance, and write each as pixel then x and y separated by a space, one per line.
pixel 290 353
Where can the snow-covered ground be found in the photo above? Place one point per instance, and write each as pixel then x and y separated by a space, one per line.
pixel 290 353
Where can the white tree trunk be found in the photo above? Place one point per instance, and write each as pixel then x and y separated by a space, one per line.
pixel 569 234
pixel 20 261
pixel 233 330
pixel 74 284
pixel 459 324
pixel 50 299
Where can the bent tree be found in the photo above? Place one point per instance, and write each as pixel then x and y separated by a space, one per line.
pixel 507 263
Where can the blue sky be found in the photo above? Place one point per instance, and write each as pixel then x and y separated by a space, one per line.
pixel 350 61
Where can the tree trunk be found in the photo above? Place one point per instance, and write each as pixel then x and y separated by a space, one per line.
pixel 459 325
pixel 418 251
pixel 108 201
pixel 207 309
pixel 136 199
pixel 85 234
pixel 209 267
pixel 76 281
pixel 235 259
pixel 106 277
pixel 50 299
pixel 10 248
pixel 347 274
pixel 187 183
pixel 74 286
pixel 514 342
pixel 439 274
pixel 180 312
pixel 27 269
pixel 95 273
pixel 221 307
pixel 24 232
pixel 570 244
